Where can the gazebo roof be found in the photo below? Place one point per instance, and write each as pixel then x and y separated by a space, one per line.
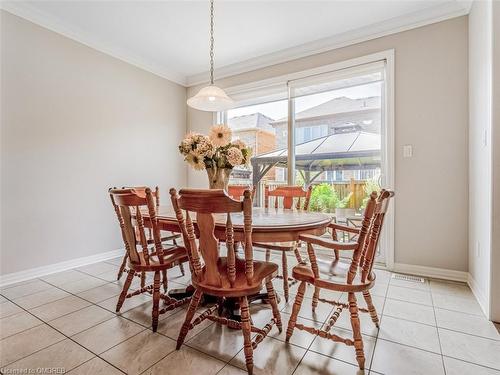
pixel 355 150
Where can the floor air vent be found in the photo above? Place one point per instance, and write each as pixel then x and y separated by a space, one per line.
pixel 413 279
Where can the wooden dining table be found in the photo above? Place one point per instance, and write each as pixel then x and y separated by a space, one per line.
pixel 268 224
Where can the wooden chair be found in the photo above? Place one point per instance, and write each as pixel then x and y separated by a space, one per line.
pixel 141 190
pixel 223 277
pixel 129 203
pixel 238 191
pixel 291 197
pixel 354 277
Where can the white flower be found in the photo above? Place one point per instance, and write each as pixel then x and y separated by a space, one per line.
pixel 185 146
pixel 234 156
pixel 239 143
pixel 205 147
pixel 220 135
pixel 196 161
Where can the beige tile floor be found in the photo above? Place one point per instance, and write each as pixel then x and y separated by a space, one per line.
pixel 67 321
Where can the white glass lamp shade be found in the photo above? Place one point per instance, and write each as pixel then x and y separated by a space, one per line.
pixel 210 98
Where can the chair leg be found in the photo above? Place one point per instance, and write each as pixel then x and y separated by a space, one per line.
pixel 356 329
pixel 181 267
pixel 268 255
pixel 122 267
pixel 295 310
pixel 195 300
pixel 284 265
pixel 247 333
pixel 164 280
pixel 156 300
pixel 297 254
pixel 371 308
pixel 337 254
pixel 274 304
pixel 143 279
pixel 126 286
pixel 315 298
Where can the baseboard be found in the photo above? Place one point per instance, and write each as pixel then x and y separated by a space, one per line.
pixel 33 273
pixel 437 273
pixel 481 298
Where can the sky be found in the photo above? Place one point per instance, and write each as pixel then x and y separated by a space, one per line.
pixel 277 110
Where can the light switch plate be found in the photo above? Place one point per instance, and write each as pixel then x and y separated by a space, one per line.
pixel 407 151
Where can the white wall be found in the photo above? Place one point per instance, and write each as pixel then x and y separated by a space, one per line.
pixel 74 123
pixel 480 150
pixel 431 112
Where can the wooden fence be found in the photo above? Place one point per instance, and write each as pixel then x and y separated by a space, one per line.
pixel 343 188
pixel 356 187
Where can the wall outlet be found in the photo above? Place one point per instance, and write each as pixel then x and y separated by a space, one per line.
pixel 478 249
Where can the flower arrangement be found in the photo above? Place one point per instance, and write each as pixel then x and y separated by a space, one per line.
pixel 215 152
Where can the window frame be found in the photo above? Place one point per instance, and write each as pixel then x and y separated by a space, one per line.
pixel 264 87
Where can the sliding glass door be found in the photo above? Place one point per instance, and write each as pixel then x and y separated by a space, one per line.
pixel 336 123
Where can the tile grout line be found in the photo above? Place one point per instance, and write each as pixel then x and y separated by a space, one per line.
pixel 380 325
pixel 59 299
pixel 69 337
pixel 437 331
pixel 24 330
pixel 83 363
pixel 64 335
pixel 227 363
pixel 472 363
pixel 439 327
pixel 314 339
pixel 306 350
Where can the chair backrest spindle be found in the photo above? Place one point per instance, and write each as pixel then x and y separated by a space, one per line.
pixel 362 237
pixel 128 204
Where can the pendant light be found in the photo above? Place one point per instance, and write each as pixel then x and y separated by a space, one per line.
pixel 211 98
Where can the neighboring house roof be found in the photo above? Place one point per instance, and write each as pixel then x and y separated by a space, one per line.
pixel 254 120
pixel 358 150
pixel 336 106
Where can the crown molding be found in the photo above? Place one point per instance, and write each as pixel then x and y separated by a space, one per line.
pixel 377 30
pixel 29 13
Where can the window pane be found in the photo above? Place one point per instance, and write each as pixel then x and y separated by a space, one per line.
pixel 338 138
pixel 264 128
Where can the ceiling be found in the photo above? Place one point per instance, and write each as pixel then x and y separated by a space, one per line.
pixel 170 38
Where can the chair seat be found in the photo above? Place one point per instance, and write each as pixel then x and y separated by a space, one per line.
pixel 333 277
pixel 283 246
pixel 262 271
pixel 171 257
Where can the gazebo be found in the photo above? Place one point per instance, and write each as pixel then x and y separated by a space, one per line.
pixel 355 151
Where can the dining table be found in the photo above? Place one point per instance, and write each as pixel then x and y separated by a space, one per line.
pixel 268 225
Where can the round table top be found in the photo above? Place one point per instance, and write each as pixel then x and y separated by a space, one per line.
pixel 284 224
pixel 263 218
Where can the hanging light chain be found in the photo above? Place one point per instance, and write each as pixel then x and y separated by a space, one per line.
pixel 211 42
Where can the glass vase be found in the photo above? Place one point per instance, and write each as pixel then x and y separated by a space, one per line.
pixel 218 178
